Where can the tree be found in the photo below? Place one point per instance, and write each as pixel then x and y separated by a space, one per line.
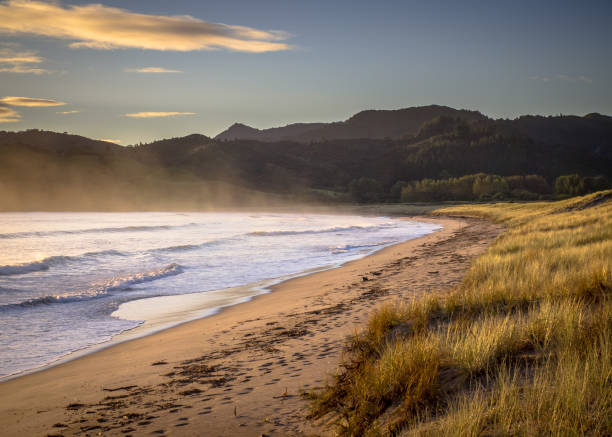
pixel 596 183
pixel 488 185
pixel 570 185
pixel 396 190
pixel 366 190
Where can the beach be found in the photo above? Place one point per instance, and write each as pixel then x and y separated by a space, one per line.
pixel 241 371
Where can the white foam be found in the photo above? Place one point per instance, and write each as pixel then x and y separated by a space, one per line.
pixel 62 280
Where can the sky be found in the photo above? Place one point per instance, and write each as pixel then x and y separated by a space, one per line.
pixel 135 71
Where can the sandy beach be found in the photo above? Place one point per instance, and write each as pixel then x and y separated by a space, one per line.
pixel 239 372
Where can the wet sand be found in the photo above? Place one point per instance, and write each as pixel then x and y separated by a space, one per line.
pixel 239 372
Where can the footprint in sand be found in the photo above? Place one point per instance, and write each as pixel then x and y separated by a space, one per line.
pixel 205 410
pixel 246 391
pixel 183 421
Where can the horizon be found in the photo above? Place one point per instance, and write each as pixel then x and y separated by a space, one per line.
pixel 94 69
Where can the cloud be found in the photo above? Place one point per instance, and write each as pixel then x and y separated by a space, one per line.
pixel 157 114
pixel 28 101
pixel 108 140
pixel 563 77
pixel 23 69
pixel 8 115
pixel 151 70
pixel 11 56
pixel 12 61
pixel 74 111
pixel 567 78
pixel 97 26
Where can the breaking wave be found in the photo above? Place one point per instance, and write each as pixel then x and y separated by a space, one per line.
pixel 121 283
pixel 187 247
pixel 94 231
pixel 321 231
pixel 52 261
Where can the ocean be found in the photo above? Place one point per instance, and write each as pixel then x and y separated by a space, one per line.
pixel 70 281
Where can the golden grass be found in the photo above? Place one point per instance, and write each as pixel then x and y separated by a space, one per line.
pixel 522 347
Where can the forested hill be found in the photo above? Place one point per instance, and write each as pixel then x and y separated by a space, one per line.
pixel 57 142
pixel 372 124
pixel 48 170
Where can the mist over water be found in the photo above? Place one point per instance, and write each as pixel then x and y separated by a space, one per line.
pixel 62 275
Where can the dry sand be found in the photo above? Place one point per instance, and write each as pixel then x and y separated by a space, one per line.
pixel 239 372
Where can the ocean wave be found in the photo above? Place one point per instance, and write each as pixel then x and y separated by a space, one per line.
pixel 187 247
pixel 121 283
pixel 47 300
pixel 348 247
pixel 322 230
pixel 52 261
pixel 20 269
pixel 179 248
pixel 94 231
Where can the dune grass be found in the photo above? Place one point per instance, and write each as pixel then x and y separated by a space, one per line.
pixel 522 347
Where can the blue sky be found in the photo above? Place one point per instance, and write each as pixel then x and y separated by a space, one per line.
pixel 292 61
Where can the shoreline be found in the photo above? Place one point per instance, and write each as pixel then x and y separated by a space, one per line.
pixel 144 329
pixel 41 398
pixel 195 311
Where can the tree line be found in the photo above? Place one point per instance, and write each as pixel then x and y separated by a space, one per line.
pixel 477 187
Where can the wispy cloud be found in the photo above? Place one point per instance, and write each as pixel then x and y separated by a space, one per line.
pixel 74 111
pixel 8 115
pixel 563 78
pixel 29 101
pixel 23 69
pixel 151 70
pixel 157 114
pixel 13 61
pixel 108 140
pixel 540 78
pixel 14 57
pixel 567 78
pixel 100 27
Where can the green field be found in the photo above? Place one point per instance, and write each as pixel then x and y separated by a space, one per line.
pixel 522 347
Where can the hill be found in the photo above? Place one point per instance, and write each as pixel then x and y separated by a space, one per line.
pixel 374 124
pixel 421 154
pixel 56 142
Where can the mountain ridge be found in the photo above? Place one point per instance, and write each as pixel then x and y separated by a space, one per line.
pixel 370 123
pixel 40 170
